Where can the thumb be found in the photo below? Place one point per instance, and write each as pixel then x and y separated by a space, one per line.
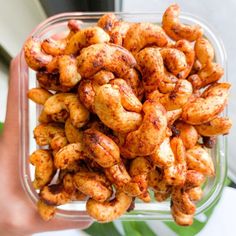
pixel 12 121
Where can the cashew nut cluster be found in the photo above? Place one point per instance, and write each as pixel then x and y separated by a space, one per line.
pixel 126 110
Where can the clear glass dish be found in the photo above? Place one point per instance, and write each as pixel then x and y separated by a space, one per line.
pixel 29 113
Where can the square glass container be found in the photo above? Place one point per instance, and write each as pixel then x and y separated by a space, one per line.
pixel 29 113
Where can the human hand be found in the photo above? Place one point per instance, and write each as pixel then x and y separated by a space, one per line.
pixel 18 214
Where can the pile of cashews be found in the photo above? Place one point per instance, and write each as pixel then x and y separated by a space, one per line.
pixel 128 111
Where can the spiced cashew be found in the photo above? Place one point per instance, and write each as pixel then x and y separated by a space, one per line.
pixel 177 98
pixel 50 134
pixel 140 35
pixel 70 103
pixel 110 110
pixel 204 51
pixel 44 167
pixel 161 188
pixel 46 212
pixel 103 56
pixel 198 159
pixel 163 155
pixel 56 47
pixel 208 106
pixel 150 134
pixel 93 184
pixel 176 174
pixel 174 60
pixel 51 81
pixel 34 56
pixel 177 30
pixel 118 175
pixel 84 38
pixel 188 50
pixel 109 211
pixel 68 154
pixel 217 126
pixel 187 133
pixel 101 148
pixel 151 66
pixel 73 134
pixel 39 95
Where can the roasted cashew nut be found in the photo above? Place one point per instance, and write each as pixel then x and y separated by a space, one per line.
pixel 208 106
pixel 141 167
pixel 66 67
pixel 182 201
pixel 69 102
pixel 50 81
pixel 217 126
pixel 68 155
pixel 195 194
pixel 150 134
pixel 211 73
pixel 107 22
pixel 141 35
pixel 103 56
pixel 50 134
pixel 73 134
pixel 101 148
pixel 93 184
pixel 187 133
pixel 110 110
pixel 84 38
pixel 163 155
pixel 46 212
pixel 174 60
pixel 54 195
pixel 87 88
pixel 177 30
pixel 204 51
pixel 34 56
pixel 128 99
pixel 133 79
pixel 193 179
pixel 39 95
pixel 86 92
pixel 44 167
pixel 69 75
pixel 118 175
pixel 69 187
pixel 179 217
pixel 102 77
pixel 198 159
pixel 160 187
pixel 119 32
pixel 57 47
pixel 176 98
pixel 151 66
pixel 109 211
pixel 176 173
pixel 172 116
pixel 188 50
pixel 44 118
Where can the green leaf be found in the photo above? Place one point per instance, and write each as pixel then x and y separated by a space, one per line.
pixel 186 231
pixel 227 181
pixel 97 229
pixel 139 228
pixel 1 127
